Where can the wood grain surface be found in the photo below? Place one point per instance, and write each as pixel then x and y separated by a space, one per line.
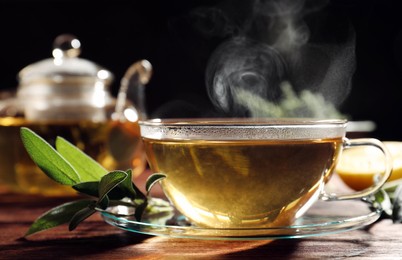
pixel 94 239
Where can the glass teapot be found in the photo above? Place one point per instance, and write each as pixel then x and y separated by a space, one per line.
pixel 69 96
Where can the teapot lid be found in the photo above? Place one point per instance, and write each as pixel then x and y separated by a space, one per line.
pixel 64 66
pixel 65 87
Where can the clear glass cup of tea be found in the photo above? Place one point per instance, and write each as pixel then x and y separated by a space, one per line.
pixel 235 173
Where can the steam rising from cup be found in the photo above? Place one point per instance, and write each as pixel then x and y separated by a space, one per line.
pixel 241 64
pixel 273 61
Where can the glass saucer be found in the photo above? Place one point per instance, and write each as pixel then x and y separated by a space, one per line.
pixel 324 217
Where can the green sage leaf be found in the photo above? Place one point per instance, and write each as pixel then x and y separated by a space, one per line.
pixel 129 189
pixel 152 180
pixel 125 189
pixel 87 168
pixel 109 182
pixel 382 199
pixel 48 159
pixel 57 216
pixel 81 215
pixel 89 188
pixel 139 210
pixel 397 205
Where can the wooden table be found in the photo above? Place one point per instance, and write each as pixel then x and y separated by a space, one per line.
pixel 94 239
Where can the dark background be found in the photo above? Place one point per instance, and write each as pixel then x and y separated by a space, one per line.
pixel 116 33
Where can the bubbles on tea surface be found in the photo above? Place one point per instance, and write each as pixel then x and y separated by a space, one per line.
pixel 220 133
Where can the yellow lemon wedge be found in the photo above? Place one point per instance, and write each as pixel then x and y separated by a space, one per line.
pixel 357 167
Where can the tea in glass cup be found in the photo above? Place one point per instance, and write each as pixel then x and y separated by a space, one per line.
pixel 246 173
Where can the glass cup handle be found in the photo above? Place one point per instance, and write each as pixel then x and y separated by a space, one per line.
pixel 348 143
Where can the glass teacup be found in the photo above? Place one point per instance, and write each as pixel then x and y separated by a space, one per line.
pixel 235 173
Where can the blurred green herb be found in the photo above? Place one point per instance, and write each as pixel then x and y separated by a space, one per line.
pixel 391 200
pixel 68 165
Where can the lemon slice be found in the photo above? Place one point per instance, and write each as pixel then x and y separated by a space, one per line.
pixel 358 166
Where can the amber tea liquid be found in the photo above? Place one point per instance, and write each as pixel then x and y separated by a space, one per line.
pixel 115 145
pixel 245 183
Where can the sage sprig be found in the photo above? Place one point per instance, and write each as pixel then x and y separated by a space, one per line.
pixel 68 165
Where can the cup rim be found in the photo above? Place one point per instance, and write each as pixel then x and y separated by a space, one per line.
pixel 219 129
pixel 236 121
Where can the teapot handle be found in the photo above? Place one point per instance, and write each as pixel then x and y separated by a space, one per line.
pixel 132 84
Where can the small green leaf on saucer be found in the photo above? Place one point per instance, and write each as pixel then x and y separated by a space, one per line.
pixel 87 168
pixel 153 179
pixel 48 159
